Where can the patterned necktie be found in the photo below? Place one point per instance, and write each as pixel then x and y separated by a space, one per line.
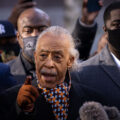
pixel 58 97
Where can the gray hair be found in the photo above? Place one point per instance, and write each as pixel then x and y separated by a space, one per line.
pixel 57 30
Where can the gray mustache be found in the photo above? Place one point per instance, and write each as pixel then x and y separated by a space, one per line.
pixel 48 72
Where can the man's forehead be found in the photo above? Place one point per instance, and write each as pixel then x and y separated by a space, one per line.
pixel 51 50
pixel 52 47
pixel 115 14
pixel 53 37
pixel 54 40
pixel 57 43
pixel 33 22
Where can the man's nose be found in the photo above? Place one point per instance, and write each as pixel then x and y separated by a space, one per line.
pixel 49 63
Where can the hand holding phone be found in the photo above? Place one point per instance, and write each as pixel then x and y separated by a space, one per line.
pixel 89 11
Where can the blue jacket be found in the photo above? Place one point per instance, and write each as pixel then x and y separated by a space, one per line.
pixel 6 79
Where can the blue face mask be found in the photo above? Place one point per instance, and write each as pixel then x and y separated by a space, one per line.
pixel 29 47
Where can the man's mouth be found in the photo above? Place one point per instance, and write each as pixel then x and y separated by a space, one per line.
pixel 48 76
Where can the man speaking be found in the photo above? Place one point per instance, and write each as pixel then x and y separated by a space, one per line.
pixel 51 96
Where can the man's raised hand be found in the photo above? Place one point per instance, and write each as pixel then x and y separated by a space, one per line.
pixel 27 96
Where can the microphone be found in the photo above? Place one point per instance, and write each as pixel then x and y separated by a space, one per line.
pixel 92 111
pixel 112 112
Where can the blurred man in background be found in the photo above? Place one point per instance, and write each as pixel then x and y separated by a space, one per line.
pixel 100 75
pixel 85 30
pixel 9 47
pixel 31 23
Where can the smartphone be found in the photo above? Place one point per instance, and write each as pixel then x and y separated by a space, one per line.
pixel 93 5
pixel 28 0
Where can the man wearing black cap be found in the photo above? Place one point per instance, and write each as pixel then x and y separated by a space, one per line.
pixel 9 47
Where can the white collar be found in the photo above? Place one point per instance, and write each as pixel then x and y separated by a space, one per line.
pixel 117 61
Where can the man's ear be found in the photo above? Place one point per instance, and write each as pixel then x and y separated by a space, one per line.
pixel 70 62
pixel 20 41
pixel 104 28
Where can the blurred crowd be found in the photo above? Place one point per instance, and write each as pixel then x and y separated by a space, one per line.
pixel 48 73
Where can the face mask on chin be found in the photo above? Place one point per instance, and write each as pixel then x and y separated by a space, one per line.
pixel 114 38
pixel 29 47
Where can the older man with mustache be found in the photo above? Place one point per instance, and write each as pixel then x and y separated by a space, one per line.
pixel 51 96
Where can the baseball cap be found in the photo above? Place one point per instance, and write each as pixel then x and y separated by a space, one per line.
pixel 7 29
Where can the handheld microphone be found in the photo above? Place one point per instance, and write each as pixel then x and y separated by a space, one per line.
pixel 92 111
pixel 112 112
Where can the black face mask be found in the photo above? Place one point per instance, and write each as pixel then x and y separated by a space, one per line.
pixel 114 38
pixel 29 47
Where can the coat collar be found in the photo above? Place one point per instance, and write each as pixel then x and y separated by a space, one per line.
pixel 21 66
pixel 73 102
pixel 109 66
pixel 18 68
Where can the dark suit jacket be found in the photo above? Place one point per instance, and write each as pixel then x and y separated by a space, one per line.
pixel 16 66
pixel 43 111
pixel 17 69
pixel 6 79
pixel 99 78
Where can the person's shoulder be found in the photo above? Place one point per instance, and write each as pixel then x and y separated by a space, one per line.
pixel 13 64
pixel 10 63
pixel 87 68
pixel 91 61
pixel 11 90
pixel 9 96
pixel 6 79
pixel 4 68
pixel 4 72
pixel 2 65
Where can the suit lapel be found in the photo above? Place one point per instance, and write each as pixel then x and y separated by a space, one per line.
pixel 19 67
pixel 18 70
pixel 109 66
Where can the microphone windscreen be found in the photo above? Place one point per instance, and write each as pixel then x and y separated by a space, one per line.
pixel 92 111
pixel 112 112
